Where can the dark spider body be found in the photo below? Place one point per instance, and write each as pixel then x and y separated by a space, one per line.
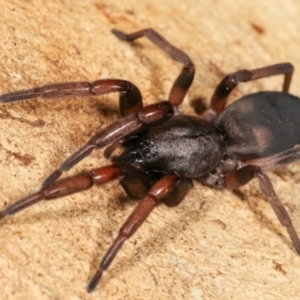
pixel 260 125
pixel 164 150
pixel 186 145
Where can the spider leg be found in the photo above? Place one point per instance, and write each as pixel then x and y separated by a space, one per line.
pixel 178 193
pixel 225 87
pixel 244 175
pixel 135 182
pixel 185 78
pixel 277 160
pixel 66 187
pixel 134 221
pixel 130 98
pixel 111 148
pixel 147 116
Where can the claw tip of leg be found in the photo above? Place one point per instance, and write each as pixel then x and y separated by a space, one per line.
pixel 2 215
pixel 119 34
pixel 95 280
pixel 51 178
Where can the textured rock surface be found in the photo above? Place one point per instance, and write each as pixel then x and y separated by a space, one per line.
pixel 214 245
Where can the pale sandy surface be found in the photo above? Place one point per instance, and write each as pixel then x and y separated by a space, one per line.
pixel 214 245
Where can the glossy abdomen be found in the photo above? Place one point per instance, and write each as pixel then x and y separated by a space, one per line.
pixel 260 125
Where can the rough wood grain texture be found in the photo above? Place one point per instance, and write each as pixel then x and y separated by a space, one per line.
pixel 215 245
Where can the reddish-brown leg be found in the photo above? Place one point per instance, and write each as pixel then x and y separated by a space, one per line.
pixel 185 78
pixel 277 160
pixel 66 187
pixel 243 176
pixel 147 116
pixel 225 87
pixel 130 98
pixel 134 221
pixel 135 182
pixel 111 148
pixel 178 193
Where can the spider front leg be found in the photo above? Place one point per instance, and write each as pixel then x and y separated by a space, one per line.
pixel 185 78
pixel 244 175
pixel 147 116
pixel 130 98
pixel 158 191
pixel 66 187
pixel 225 87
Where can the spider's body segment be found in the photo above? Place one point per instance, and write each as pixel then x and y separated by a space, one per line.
pixel 165 150
pixel 189 146
pixel 260 125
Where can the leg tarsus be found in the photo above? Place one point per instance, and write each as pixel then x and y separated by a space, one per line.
pixel 279 209
pixel 244 175
pixel 65 187
pixel 94 281
pixel 130 98
pixel 286 69
pixel 159 190
pixel 225 87
pixel 185 78
pixel 52 178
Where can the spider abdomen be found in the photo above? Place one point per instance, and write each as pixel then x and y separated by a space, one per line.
pixel 260 125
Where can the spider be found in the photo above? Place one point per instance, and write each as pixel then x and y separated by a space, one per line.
pixel 165 150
